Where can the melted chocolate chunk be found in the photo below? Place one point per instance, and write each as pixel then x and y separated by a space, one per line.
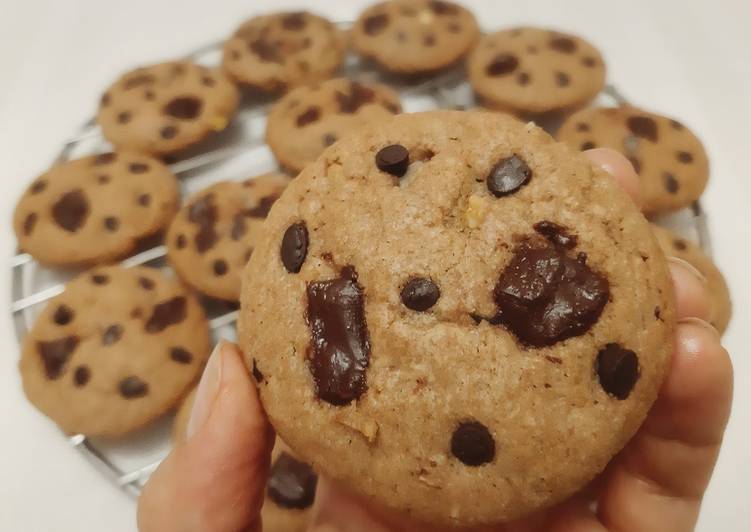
pixel 544 296
pixel 264 206
pixel 420 294
pixel 294 247
pixel 473 444
pixel 63 315
pixel 81 376
pixel 563 44
pixel 358 96
pixel 70 211
pixel 180 355
pixel 375 24
pixel 112 334
pixel 501 65
pixel 291 484
pixel 220 267
pixel 166 313
pixel 508 176
pixel 257 375
pixel 340 347
pixel 55 354
pixel 30 222
pixel 617 369
pixel 132 387
pixel 556 234
pixel 310 115
pixel 265 50
pixel 184 108
pixel 294 21
pixel 393 159
pixel 204 213
pixel 642 127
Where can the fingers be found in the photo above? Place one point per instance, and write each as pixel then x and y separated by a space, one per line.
pixel 690 289
pixel 619 167
pixel 215 481
pixel 339 511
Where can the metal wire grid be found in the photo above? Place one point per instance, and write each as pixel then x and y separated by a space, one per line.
pixel 448 90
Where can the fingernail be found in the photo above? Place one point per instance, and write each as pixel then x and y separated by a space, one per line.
pixel 688 267
pixel 691 320
pixel 207 390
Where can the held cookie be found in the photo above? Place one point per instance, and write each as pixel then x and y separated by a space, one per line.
pixel 211 239
pixel 308 119
pixel 166 107
pixel 530 71
pixel 414 36
pixel 280 51
pixel 447 299
pixel 114 351
pixel 668 157
pixel 95 209
pixel 290 489
pixel 676 246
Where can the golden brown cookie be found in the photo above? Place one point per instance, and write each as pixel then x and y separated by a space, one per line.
pixel 166 107
pixel 309 119
pixel 212 237
pixel 668 157
pixel 530 71
pixel 115 351
pixel 454 298
pixel 284 50
pixel 414 36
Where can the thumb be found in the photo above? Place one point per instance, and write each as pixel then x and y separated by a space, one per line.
pixel 216 479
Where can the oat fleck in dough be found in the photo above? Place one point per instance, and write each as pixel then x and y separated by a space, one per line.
pixel 309 119
pixel 95 209
pixel 277 52
pixel 115 351
pixel 530 71
pixel 213 236
pixel 670 160
pixel 414 36
pixel 166 107
pixel 440 351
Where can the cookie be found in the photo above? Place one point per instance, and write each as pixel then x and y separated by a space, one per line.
pixel 115 351
pixel 290 489
pixel 212 237
pixel 676 246
pixel 164 108
pixel 669 158
pixel 308 119
pixel 532 71
pixel 452 299
pixel 414 36
pixel 277 52
pixel 95 209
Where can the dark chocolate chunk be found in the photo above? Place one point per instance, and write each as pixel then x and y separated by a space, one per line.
pixel 294 21
pixel 63 315
pixel 264 206
pixel 266 50
pixel 617 369
pixel 671 183
pixel 294 247
pixel 339 353
pixel 257 375
pixel 166 313
pixel 184 108
pixel 643 127
pixel 563 44
pixel 138 168
pixel 205 238
pixel 556 234
pixel 508 176
pixel 310 115
pixel 144 200
pixel 132 387
pixel 684 157
pixel 357 96
pixel 291 484
pixel 473 444
pixel 112 334
pixel 181 241
pixel 501 65
pixel 30 222
pixel 81 376
pixel 220 267
pixel 420 294
pixel 180 355
pixel 393 159
pixel 111 223
pixel 71 210
pixel 375 24
pixel 55 354
pixel 204 213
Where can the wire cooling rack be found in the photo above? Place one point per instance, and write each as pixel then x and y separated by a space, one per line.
pixel 236 153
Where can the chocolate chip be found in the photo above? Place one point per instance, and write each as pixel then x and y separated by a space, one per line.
pixel 429 40
pixel 291 483
pixel 81 376
pixel 136 313
pixel 100 279
pixel 112 334
pixel 205 238
pixel 181 241
pixel 556 234
pixel 208 81
pixel 294 247
pixel 30 222
pixel 392 108
pixel 184 108
pixel 264 206
pixel 501 65
pixel 104 158
pixel 420 294
pixel 588 145
pixel 137 80
pixel 220 267
pixel 329 139
pixel 132 387
pixel 71 211
pixel 149 95
pixel 544 296
pixel 635 163
pixel 294 21
pixel 55 354
pixel 643 127
pixel 146 283
pixel 310 115
pixel 111 223
pixel 443 8
pixel 103 179
pixel 168 132
pixel 563 44
pixel 393 159
pixel 180 355
pixel 562 79
pixel 671 183
pixel 522 78
pixel 684 157
pixel 63 315
pixel 123 117
pixel 508 176
pixel 677 125
pixel 589 62
pixel 257 375
pixel 105 99
pixel 340 346
pixel 582 127
pixel 144 200
pixel 357 96
pixel 138 168
pixel 265 50
pixel 169 312
pixel 680 244
pixel 473 444
pixel 375 24
pixel 617 369
pixel 38 186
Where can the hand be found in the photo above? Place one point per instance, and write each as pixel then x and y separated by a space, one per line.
pixel 215 482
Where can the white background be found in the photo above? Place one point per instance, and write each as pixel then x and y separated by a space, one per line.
pixel 685 58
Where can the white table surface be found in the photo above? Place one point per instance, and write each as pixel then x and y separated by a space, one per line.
pixel 690 59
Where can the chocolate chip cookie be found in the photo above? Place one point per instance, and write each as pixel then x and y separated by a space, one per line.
pixel 414 36
pixel 676 246
pixel 531 71
pixel 116 350
pixel 95 209
pixel 211 239
pixel 453 299
pixel 166 107
pixel 309 119
pixel 277 52
pixel 290 489
pixel 669 158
